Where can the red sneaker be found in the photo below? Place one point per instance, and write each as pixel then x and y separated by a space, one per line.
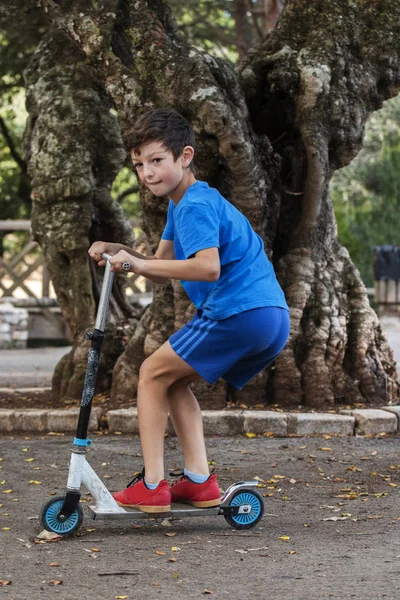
pixel 138 495
pixel 201 495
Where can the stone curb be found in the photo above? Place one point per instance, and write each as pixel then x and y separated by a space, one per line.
pixel 45 420
pixel 385 420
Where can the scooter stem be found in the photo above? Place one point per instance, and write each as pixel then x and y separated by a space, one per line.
pixel 104 301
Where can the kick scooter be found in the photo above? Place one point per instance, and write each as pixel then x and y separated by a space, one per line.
pixel 242 506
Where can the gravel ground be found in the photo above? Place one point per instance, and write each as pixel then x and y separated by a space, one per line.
pixel 330 530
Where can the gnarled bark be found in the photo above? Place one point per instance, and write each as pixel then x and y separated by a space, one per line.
pixel 74 150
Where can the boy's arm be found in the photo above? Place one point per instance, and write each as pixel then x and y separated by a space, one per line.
pixel 165 250
pixel 204 266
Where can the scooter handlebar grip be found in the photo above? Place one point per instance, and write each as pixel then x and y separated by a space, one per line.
pixel 106 256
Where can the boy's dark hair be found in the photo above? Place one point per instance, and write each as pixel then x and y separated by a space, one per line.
pixel 163 125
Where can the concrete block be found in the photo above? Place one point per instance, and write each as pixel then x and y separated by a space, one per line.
pixel 95 416
pixel 7 420
pixel 371 421
pixel 395 410
pixel 222 422
pixel 20 335
pixel 66 420
pixel 320 424
pixel 30 420
pixel 263 421
pixel 124 420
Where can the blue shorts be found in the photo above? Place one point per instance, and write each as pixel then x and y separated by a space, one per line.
pixel 236 348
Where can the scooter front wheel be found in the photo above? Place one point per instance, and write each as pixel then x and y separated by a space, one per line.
pixel 49 517
pixel 253 503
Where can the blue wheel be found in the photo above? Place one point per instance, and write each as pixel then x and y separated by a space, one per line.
pixel 49 517
pixel 253 502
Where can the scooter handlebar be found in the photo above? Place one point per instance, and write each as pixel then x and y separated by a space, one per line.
pixel 126 266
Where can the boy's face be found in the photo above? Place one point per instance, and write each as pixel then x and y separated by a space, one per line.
pixel 158 170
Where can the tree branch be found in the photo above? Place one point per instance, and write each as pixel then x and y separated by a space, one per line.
pixel 13 150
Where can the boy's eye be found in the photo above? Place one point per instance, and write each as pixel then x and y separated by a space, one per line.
pixel 157 160
pixel 137 165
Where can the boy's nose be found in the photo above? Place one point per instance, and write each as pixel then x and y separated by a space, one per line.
pixel 148 172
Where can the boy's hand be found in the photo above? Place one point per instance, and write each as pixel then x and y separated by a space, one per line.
pixel 97 249
pixel 124 257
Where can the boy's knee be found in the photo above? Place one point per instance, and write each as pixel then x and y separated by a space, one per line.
pixel 152 371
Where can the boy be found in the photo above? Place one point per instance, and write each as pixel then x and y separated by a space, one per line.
pixel 241 323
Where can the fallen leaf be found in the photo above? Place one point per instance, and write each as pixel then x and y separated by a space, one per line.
pixel 250 435
pixel 5 582
pixel 54 564
pixel 48 535
pixel 208 592
pixel 375 517
pixel 7 491
pixel 33 481
pixel 175 549
pixel 160 553
pixel 241 551
pixel 29 459
pixel 326 449
pixel 6 528
pixel 166 523
pixel 95 550
pixel 170 533
pixel 172 560
pixel 292 552
pixel 121 597
pixel 56 582
pixel 284 538
pixel 336 519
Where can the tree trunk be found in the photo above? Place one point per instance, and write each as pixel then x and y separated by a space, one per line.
pixel 74 150
pixel 269 141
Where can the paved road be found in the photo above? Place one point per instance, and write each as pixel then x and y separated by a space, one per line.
pixel 335 500
pixel 32 367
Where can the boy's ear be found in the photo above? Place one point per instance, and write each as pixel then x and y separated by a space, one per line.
pixel 187 156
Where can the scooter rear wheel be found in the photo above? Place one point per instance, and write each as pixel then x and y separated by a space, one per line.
pixel 249 519
pixel 49 517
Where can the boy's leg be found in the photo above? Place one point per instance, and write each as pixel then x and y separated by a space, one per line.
pixel 157 374
pixel 188 424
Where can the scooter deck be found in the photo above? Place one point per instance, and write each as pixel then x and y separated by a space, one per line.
pixel 177 510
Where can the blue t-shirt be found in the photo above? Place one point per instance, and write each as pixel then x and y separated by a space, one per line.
pixel 205 219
